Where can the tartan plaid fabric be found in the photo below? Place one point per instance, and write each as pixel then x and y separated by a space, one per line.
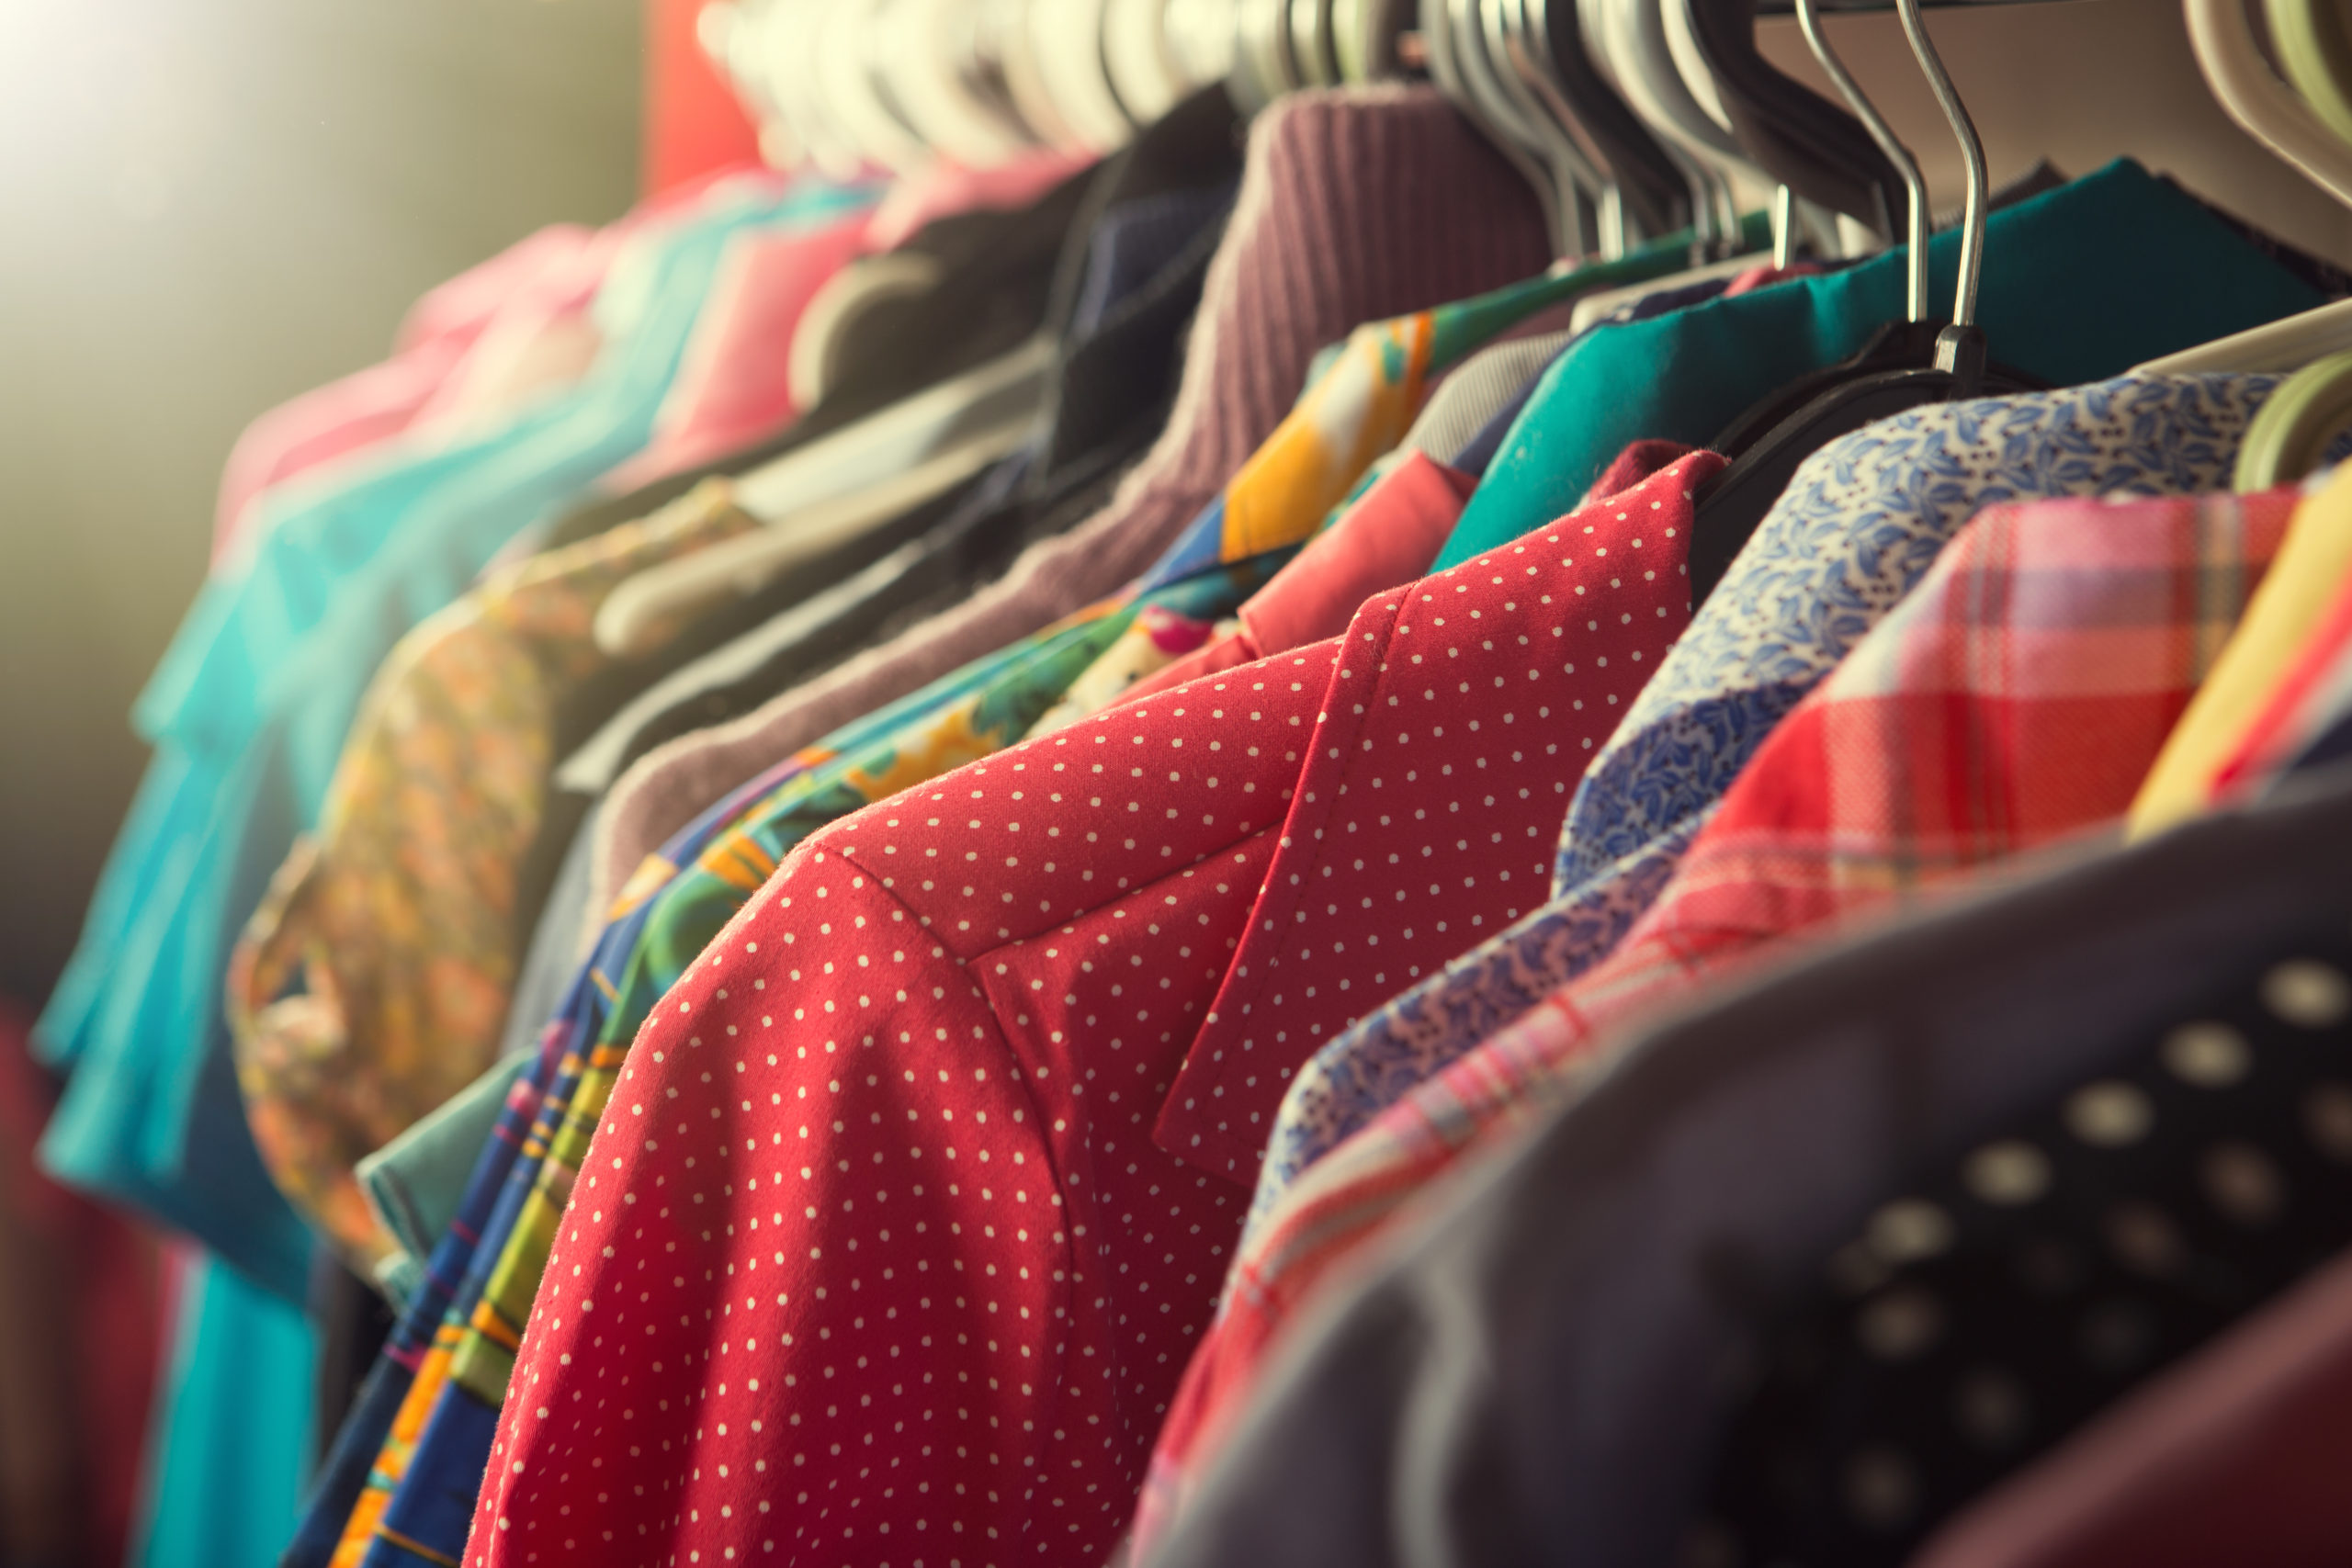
pixel 2017 697
pixel 1860 523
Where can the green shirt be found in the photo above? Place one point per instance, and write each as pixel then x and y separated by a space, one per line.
pixel 2080 283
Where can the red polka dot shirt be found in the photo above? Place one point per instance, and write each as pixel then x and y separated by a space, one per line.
pixel 919 1187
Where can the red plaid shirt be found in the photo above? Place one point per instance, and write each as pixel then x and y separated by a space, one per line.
pixel 2019 695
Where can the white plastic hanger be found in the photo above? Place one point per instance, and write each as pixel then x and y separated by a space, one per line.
pixel 2269 110
pixel 1498 32
pixel 776 45
pixel 844 74
pixel 2222 36
pixel 1261 48
pixel 815 361
pixel 1004 26
pixel 2283 345
pixel 1144 66
pixel 916 44
pixel 1829 233
pixel 1067 37
pixel 1453 38
pixel 729 32
pixel 1626 43
pixel 1367 36
pixel 1205 36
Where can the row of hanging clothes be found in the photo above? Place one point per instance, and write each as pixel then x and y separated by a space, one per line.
pixel 1277 781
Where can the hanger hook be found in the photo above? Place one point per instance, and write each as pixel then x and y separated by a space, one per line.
pixel 1915 187
pixel 1587 167
pixel 1972 149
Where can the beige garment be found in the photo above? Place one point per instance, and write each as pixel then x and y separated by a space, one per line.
pixel 1356 204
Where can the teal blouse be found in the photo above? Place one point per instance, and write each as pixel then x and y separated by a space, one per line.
pixel 2080 283
pixel 248 712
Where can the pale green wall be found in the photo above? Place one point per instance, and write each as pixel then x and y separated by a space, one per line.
pixel 207 206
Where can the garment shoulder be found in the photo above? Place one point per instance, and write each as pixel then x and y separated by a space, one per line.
pixel 1008 848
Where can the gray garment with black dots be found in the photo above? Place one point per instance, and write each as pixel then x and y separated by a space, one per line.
pixel 1542 1369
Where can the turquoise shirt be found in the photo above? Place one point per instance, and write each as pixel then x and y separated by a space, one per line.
pixel 229 1437
pixel 2081 283
pixel 248 712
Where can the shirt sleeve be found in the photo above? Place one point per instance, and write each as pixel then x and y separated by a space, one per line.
pixel 805 1244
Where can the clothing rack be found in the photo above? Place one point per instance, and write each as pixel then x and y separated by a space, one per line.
pixel 1472 817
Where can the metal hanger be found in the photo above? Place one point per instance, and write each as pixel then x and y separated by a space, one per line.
pixel 1440 46
pixel 1520 62
pixel 1482 48
pixel 1654 191
pixel 1795 221
pixel 1906 345
pixel 1631 43
pixel 1455 32
pixel 1690 177
pixel 1915 187
pixel 1735 500
pixel 1797 137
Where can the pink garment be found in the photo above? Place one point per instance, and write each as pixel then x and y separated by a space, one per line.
pixel 733 386
pixel 2236 1455
pixel 482 342
pixel 1356 204
pixel 1764 274
pixel 543 336
pixel 1386 540
pixel 947 188
pixel 373 405
pixel 464 305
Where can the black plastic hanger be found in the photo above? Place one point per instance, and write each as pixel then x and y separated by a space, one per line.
pixel 1656 195
pixel 1930 363
pixel 1898 346
pixel 1799 138
pixel 1454 47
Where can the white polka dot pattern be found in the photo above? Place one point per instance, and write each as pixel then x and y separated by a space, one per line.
pixel 873 1259
pixel 917 1191
pixel 1461 718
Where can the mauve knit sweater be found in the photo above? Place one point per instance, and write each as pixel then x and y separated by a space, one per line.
pixel 1356 204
